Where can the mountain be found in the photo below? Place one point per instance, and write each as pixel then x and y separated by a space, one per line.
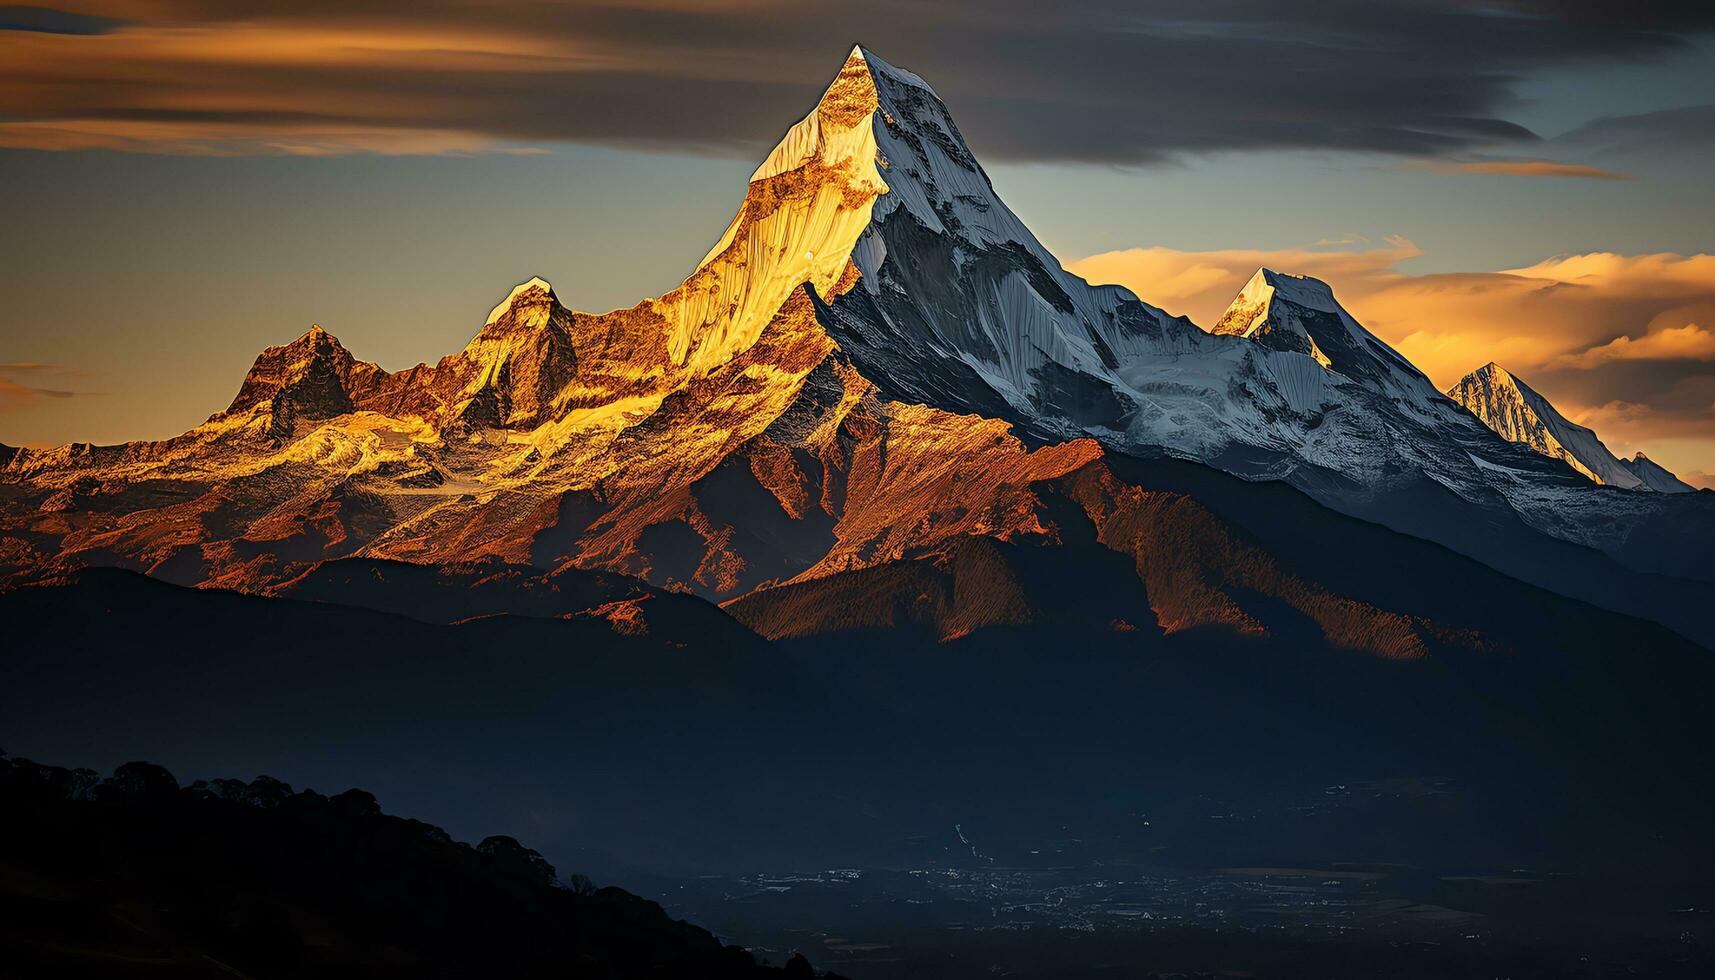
pixel 1655 476
pixel 875 362
pixel 1515 411
pixel 1298 314
pixel 959 307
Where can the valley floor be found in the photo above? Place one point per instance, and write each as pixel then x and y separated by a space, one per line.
pixel 1076 922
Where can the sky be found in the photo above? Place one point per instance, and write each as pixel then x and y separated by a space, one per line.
pixel 184 182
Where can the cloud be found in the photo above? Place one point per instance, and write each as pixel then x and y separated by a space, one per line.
pixel 1618 342
pixel 223 139
pixel 1521 168
pixel 1690 342
pixel 1685 129
pixel 1201 284
pixel 1107 81
pixel 1698 478
pixel 1614 414
pixel 16 395
pixel 48 21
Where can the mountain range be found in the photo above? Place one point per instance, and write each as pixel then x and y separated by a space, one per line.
pixel 877 363
pixel 885 557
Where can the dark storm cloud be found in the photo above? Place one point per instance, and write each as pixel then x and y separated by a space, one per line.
pixel 1670 130
pixel 1102 81
pixel 48 21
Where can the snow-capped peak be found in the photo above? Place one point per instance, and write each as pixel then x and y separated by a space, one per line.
pixel 1506 404
pixel 833 133
pixel 892 72
pixel 1298 314
pixel 1313 294
pixel 535 284
pixel 1251 314
pixel 1656 476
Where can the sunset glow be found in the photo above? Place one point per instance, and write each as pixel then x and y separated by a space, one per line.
pixel 941 489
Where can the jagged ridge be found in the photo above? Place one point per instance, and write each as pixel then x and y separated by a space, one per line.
pixel 1515 411
pixel 875 359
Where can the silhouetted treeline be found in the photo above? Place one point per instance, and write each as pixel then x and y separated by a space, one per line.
pixel 134 875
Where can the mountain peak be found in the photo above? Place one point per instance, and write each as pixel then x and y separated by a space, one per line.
pixel 1299 314
pixel 1518 413
pixel 517 366
pixel 1252 314
pixel 316 338
pixel 533 291
pixel 1305 291
pixel 835 131
pixel 1494 373
pixel 1251 308
pixel 310 377
pixel 1656 476
pixel 890 72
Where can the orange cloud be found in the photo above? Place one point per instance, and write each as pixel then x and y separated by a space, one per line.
pixel 1618 342
pixel 1698 478
pixel 261 87
pixel 14 396
pixel 1690 342
pixel 1201 284
pixel 1615 414
pixel 243 139
pixel 1659 274
pixel 1522 168
pixel 1563 308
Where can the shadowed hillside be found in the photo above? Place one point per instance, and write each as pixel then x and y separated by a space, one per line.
pixel 134 876
pixel 853 744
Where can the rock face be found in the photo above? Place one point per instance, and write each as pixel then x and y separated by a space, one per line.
pixel 309 379
pixel 1515 411
pixel 875 362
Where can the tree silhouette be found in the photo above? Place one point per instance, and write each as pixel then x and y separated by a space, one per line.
pixel 242 874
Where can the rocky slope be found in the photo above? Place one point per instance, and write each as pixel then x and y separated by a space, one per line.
pixel 1519 414
pixel 875 362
